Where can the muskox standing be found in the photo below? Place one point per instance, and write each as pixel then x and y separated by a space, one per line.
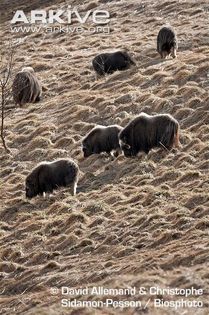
pixel 167 42
pixel 110 62
pixel 102 139
pixel 26 87
pixel 48 176
pixel 146 132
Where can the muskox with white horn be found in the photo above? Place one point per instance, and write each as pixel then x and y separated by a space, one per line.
pixel 111 62
pixel 167 42
pixel 26 88
pixel 48 176
pixel 102 139
pixel 146 132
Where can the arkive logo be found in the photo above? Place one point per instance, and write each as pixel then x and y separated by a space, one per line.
pixel 61 21
pixel 61 16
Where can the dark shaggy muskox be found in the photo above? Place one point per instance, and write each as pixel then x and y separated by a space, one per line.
pixel 102 139
pixel 48 176
pixel 110 62
pixel 26 87
pixel 167 42
pixel 146 132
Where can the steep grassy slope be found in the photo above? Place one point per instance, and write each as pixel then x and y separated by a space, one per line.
pixel 134 222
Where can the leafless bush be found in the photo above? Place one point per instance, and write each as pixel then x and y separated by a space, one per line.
pixel 6 65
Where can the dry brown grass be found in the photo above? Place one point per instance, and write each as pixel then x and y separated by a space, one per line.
pixel 135 222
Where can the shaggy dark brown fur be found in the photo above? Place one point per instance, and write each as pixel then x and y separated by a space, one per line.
pixel 167 42
pixel 110 62
pixel 48 176
pixel 26 87
pixel 102 139
pixel 146 132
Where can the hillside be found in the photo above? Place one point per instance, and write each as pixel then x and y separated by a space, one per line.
pixel 139 222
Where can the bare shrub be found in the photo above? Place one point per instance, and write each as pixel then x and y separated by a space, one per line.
pixel 6 65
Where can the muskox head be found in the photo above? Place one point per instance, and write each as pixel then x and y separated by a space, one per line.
pixel 127 149
pixel 28 69
pixel 128 58
pixel 87 151
pixel 31 186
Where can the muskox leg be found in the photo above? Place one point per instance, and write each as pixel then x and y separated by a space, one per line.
pixel 107 155
pixel 176 142
pixel 74 188
pixel 37 99
pixel 112 155
pixel 47 194
pixel 173 52
pixel 163 146
pixel 162 55
pixel 117 152
pixel 165 55
pixel 105 77
pixel 96 76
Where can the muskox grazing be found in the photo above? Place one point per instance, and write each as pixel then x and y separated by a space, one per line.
pixel 48 176
pixel 146 132
pixel 110 62
pixel 26 87
pixel 102 139
pixel 167 42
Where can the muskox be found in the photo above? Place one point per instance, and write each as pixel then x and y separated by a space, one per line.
pixel 167 42
pixel 102 139
pixel 48 176
pixel 146 132
pixel 26 87
pixel 110 62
